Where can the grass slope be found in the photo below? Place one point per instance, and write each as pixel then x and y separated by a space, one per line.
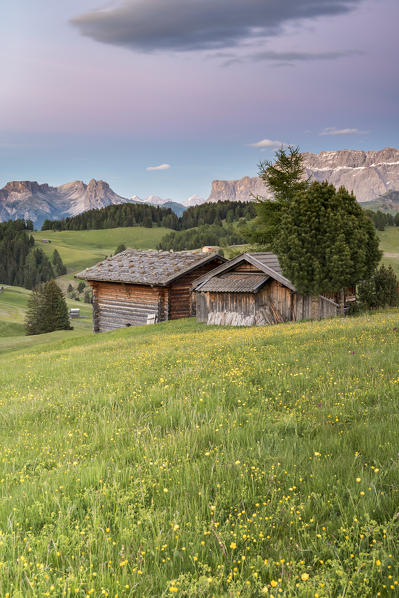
pixel 13 304
pixel 187 460
pixel 80 249
pixel 389 243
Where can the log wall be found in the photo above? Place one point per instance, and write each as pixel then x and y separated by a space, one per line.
pixel 117 305
pixel 181 304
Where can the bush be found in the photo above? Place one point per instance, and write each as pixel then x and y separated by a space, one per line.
pixel 386 287
pixel 381 290
pixel 120 248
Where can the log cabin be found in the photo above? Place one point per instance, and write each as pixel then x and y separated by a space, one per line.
pixel 139 287
pixel 252 290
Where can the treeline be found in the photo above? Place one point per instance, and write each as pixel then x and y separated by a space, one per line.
pixel 123 215
pixel 207 234
pixel 383 219
pixel 216 213
pixel 21 262
pixel 127 214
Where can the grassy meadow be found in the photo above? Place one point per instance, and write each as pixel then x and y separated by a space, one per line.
pixel 13 304
pixel 81 249
pixel 389 243
pixel 196 461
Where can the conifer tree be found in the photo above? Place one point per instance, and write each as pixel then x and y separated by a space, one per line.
pixel 34 323
pixel 47 310
pixel 58 264
pixel 283 179
pixel 55 309
pixel 322 237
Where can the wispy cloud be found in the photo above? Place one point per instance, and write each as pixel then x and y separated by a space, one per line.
pixel 160 167
pixel 335 131
pixel 184 25
pixel 288 58
pixel 267 143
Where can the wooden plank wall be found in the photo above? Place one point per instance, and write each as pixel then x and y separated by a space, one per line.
pixel 327 308
pixel 274 303
pixel 242 303
pixel 246 267
pixel 118 305
pixel 279 298
pixel 181 304
pixel 201 307
pixel 233 309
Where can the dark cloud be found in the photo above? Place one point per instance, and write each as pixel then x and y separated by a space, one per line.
pixel 184 25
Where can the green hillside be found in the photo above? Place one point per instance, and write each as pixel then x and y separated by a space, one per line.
pixel 13 304
pixel 389 243
pixel 80 249
pixel 187 460
pixel 389 202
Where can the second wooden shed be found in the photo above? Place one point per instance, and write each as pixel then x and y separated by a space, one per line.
pixel 252 290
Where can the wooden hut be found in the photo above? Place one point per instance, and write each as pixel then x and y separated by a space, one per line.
pixel 140 287
pixel 251 290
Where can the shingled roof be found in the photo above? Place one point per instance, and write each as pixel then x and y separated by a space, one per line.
pixel 232 283
pixel 150 267
pixel 265 261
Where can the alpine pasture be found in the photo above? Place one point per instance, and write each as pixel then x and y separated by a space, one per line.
pixel 389 243
pixel 13 304
pixel 187 460
pixel 80 249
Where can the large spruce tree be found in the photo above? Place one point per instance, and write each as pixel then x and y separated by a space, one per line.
pixel 322 236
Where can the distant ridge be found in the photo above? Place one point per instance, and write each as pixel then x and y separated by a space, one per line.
pixel 369 175
pixel 31 201
pixel 37 202
pixel 373 176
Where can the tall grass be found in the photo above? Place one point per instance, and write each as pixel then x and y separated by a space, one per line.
pixel 187 460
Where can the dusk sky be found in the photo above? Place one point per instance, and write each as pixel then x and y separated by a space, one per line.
pixel 162 96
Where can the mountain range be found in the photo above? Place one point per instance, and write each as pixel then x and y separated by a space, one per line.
pixel 369 175
pixel 373 176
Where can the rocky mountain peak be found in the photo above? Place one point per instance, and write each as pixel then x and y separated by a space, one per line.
pixel 77 186
pixel 97 189
pixel 27 187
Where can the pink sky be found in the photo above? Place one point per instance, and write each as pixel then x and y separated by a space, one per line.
pixel 73 107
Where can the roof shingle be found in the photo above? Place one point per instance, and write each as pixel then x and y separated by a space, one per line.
pixel 145 267
pixel 244 283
